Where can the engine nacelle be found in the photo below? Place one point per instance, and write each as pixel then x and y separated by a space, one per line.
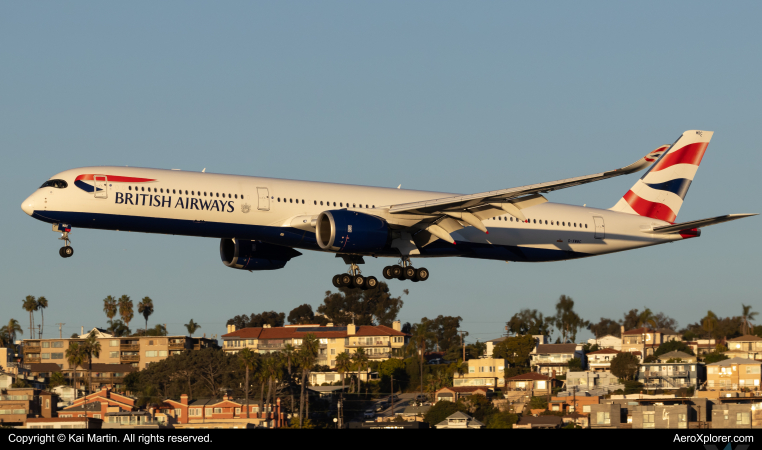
pixel 254 255
pixel 351 231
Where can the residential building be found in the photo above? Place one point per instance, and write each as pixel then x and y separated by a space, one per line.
pixel 746 346
pixel 572 403
pixel 546 422
pixel 415 413
pixel 647 340
pixel 604 415
pixel 134 419
pixel 379 342
pixel 453 394
pixel 106 400
pixel 553 359
pixel 222 412
pixel 536 383
pixel 742 415
pixel 491 346
pixel 734 374
pixel 609 341
pixel 600 360
pixel 18 404
pixel 320 378
pixel 488 372
pixel 137 351
pixel 677 356
pixel 675 375
pixel 459 421
pixel 591 383
pixel 63 423
pixel 100 375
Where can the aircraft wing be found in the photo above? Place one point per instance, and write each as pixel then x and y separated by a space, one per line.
pixel 463 203
pixel 699 223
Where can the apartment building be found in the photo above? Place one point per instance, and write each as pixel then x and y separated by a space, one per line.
pixel 734 374
pixel 647 340
pixel 553 359
pixel 600 360
pixel 674 375
pixel 609 341
pixel 488 372
pixel 137 351
pixel 379 342
pixel 747 346
pixel 18 404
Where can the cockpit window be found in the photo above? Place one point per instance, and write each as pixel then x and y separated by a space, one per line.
pixel 58 184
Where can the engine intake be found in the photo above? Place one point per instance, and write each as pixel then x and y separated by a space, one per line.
pixel 351 231
pixel 254 255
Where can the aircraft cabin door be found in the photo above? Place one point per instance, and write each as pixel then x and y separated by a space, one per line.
pixel 100 184
pixel 600 228
pixel 263 195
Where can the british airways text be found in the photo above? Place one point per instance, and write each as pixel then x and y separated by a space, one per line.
pixel 161 201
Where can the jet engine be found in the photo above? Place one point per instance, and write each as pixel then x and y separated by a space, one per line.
pixel 351 231
pixel 254 255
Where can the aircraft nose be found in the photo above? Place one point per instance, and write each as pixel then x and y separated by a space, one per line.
pixel 28 205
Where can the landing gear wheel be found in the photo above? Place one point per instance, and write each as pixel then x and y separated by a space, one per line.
pixel 388 272
pixel 66 251
pixel 371 283
pixel 358 281
pixel 422 274
pixel 395 271
pixel 346 280
pixel 336 281
pixel 61 252
pixel 408 273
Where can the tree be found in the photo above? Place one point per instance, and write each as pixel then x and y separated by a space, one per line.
pixel 630 320
pixel 343 365
pixel 714 357
pixel 369 307
pixel 307 355
pixel 110 308
pixel 647 317
pixel 192 327
pixel 529 321
pixel 502 420
pixel 441 411
pixel 125 309
pixel 664 321
pixel 89 348
pixel 75 357
pixel 272 318
pixel 475 350
pixel 56 379
pixel 516 350
pixel 709 323
pixel 30 305
pixel 445 329
pixel 303 315
pixel 289 352
pixel 673 346
pixel 145 307
pixel 624 365
pixel 575 365
pixel 117 328
pixel 12 329
pixel 249 362
pixel 747 316
pixel 360 359
pixel 42 303
pixel 605 327
pixel 157 330
pixel 566 320
pixel 419 340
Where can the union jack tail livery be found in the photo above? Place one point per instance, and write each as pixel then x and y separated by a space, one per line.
pixel 659 194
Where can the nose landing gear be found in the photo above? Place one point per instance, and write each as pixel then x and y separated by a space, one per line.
pixel 66 251
pixel 406 271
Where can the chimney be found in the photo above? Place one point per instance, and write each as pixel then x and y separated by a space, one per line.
pixel 81 330
pixel 184 399
pixel 351 329
pixel 622 331
pixel 396 325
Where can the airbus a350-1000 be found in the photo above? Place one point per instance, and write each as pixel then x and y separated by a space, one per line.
pixel 262 221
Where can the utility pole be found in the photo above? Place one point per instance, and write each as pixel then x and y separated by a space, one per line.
pixel 60 333
pixel 393 416
pixel 463 343
pixel 39 331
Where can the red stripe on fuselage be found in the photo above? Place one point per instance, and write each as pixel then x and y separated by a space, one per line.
pixel 690 154
pixel 115 178
pixel 650 209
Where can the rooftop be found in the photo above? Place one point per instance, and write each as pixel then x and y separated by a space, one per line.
pixel 746 338
pixel 301 331
pixel 675 355
pixel 729 362
pixel 529 376
pixel 604 351
pixel 556 348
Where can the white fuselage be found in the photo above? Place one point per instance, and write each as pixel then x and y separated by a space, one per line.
pixel 278 211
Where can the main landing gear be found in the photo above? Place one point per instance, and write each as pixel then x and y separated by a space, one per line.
pixel 66 251
pixel 406 271
pixel 354 279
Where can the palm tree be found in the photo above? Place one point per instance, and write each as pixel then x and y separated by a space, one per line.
pixel 110 307
pixel 343 365
pixel 421 335
pixel 288 352
pixel 145 307
pixel 125 309
pixel 360 358
pixel 192 327
pixel 42 303
pixel 247 360
pixel 75 357
pixel 747 316
pixel 13 328
pixel 30 305
pixel 307 356
pixel 709 323
pixel 647 317
pixel 89 348
pixel 272 366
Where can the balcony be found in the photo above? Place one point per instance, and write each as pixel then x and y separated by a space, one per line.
pixel 355 344
pixel 129 347
pixel 270 347
pixel 32 359
pixel 130 358
pixel 177 345
pixel 379 355
pixel 31 349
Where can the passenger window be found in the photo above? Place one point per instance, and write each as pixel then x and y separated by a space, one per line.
pixel 535 220
pixel 315 202
pixel 546 222
pixel 241 196
pixel 142 188
pixel 585 225
pixel 366 206
pixel 334 203
pixel 321 202
pixel 278 199
pixel 291 200
pixel 341 204
pixel 162 190
pixel 217 194
pixel 575 224
pixel 129 187
pixel 302 201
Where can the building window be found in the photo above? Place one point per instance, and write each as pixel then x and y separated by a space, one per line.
pixel 58 344
pixel 178 412
pixel 208 412
pixel 46 345
pixel 113 343
pixel 603 418
pixel 648 420
pixel 113 354
pixel 56 356
pixel 742 418
pixel 217 410
pixel 46 356
pixel 238 411
pixel 151 353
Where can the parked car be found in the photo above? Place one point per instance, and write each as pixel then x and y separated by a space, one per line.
pixel 369 414
pixel 394 397
pixel 435 361
pixel 382 405
pixel 421 398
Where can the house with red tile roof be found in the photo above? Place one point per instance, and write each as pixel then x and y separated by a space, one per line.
pixel 378 341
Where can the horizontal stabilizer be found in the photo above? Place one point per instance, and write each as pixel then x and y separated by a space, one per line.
pixel 699 223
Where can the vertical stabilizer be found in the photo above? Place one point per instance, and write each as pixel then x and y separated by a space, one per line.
pixel 659 194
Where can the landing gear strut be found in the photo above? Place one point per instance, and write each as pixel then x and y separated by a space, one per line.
pixel 66 251
pixel 405 271
pixel 353 278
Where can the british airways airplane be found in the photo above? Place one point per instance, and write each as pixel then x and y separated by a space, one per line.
pixel 261 221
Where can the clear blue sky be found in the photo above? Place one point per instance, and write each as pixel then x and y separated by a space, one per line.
pixel 452 96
